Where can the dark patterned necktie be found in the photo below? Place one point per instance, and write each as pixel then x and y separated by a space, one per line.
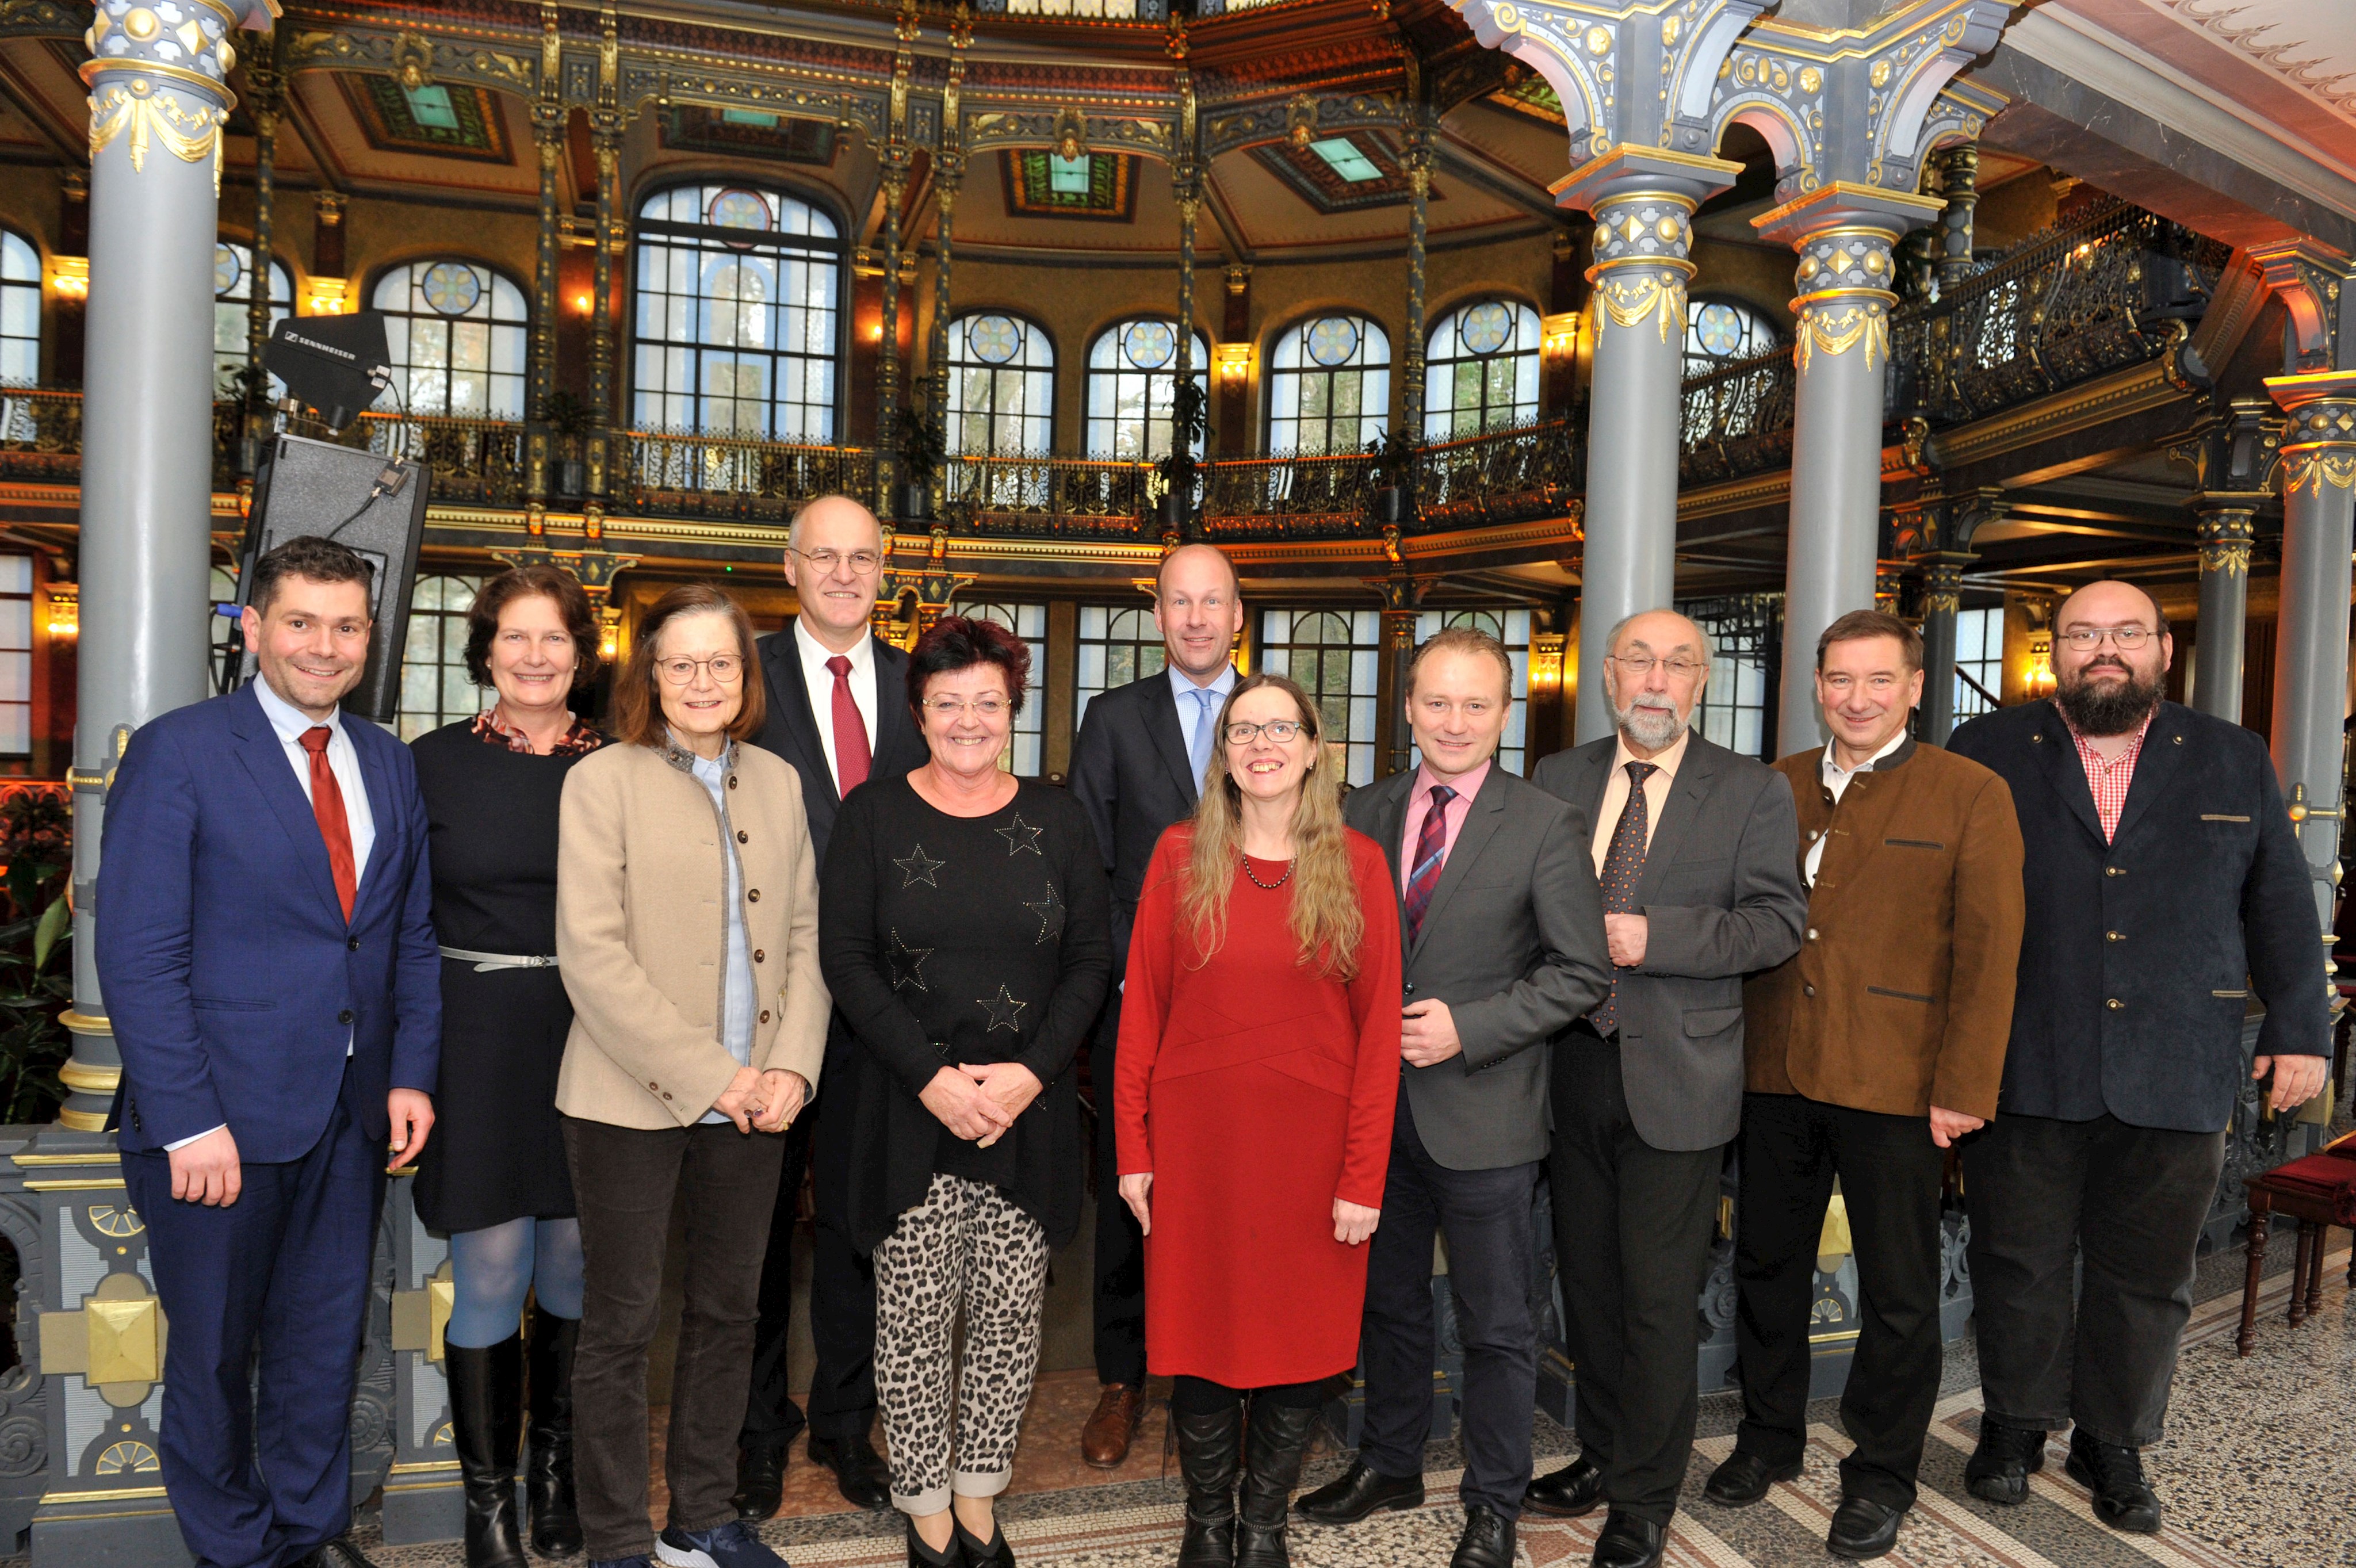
pixel 1431 858
pixel 1623 866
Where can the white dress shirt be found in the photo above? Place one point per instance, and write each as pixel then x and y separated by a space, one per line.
pixel 1836 779
pixel 819 681
pixel 1190 706
pixel 291 722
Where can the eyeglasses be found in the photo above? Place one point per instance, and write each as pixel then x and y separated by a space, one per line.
pixel 1640 665
pixel 950 708
pixel 863 563
pixel 2126 638
pixel 1281 731
pixel 724 668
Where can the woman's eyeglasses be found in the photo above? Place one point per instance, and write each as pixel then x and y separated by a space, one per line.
pixel 1281 731
pixel 724 668
pixel 947 709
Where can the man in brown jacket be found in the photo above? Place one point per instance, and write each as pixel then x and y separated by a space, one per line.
pixel 1894 1013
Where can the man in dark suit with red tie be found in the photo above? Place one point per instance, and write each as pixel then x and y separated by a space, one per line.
pixel 839 713
pixel 267 956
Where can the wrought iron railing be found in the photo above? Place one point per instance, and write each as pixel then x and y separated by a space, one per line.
pixel 1738 419
pixel 40 435
pixel 1034 493
pixel 683 474
pixel 1301 495
pixel 1512 474
pixel 474 461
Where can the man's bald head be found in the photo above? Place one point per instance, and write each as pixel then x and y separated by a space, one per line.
pixel 839 510
pixel 1191 560
pixel 2112 603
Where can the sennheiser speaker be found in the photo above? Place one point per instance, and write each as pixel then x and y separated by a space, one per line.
pixel 377 506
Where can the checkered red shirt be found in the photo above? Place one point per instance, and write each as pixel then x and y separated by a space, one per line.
pixel 2107 778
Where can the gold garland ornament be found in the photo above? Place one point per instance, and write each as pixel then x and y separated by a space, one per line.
pixel 2321 467
pixel 1630 302
pixel 190 136
pixel 1837 332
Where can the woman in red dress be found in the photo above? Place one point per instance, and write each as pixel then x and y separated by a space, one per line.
pixel 1258 1067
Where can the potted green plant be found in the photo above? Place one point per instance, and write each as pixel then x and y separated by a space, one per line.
pixel 567 418
pixel 1190 427
pixel 922 451
pixel 1390 471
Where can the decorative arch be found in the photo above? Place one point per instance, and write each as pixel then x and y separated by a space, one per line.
pixel 457 331
pixel 738 326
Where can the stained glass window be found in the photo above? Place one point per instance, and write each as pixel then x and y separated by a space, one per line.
pixel 738 323
pixel 457 333
pixel 1481 370
pixel 1721 331
pixel 232 295
pixel 1329 386
pixel 1132 376
pixel 1001 385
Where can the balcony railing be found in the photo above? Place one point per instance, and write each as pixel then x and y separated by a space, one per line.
pixel 1738 419
pixel 1311 496
pixel 40 435
pixel 1033 493
pixel 1513 475
pixel 673 473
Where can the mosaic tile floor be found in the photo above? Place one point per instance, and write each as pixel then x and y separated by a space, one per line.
pixel 2258 1471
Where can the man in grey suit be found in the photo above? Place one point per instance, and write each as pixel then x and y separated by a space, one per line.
pixel 1503 931
pixel 1697 848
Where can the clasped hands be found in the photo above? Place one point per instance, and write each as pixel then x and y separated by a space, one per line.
pixel 760 1102
pixel 978 1102
pixel 1352 1222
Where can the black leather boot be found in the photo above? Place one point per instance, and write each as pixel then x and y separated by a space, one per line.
pixel 1210 1451
pixel 548 1476
pixel 1273 1448
pixel 487 1421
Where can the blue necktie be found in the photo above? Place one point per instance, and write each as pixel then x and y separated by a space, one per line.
pixel 1206 715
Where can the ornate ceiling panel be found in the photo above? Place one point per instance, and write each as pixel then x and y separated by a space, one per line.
pixel 1035 183
pixel 437 120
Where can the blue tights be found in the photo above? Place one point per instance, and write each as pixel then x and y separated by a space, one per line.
pixel 491 1270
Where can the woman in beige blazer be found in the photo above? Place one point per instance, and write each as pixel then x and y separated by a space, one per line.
pixel 687 934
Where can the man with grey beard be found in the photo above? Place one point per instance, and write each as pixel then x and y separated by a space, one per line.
pixel 2164 887
pixel 1698 850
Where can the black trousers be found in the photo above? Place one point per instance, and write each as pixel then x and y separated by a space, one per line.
pixel 625 1179
pixel 843 1287
pixel 2129 1201
pixel 1486 1215
pixel 1121 1245
pixel 1890 1173
pixel 1632 1228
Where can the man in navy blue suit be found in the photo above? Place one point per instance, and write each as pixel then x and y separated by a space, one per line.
pixel 266 955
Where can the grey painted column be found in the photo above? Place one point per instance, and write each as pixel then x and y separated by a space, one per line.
pixel 2318 471
pixel 2225 534
pixel 1845 235
pixel 1942 584
pixel 146 489
pixel 1642 201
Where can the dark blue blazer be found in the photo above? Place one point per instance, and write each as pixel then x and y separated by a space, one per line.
pixel 231 978
pixel 2141 955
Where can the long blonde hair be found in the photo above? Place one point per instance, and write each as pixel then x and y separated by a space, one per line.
pixel 1326 917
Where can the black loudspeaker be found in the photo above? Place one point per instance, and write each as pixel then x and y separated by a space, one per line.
pixel 377 506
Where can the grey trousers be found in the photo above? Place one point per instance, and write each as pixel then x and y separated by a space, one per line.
pixel 2130 1201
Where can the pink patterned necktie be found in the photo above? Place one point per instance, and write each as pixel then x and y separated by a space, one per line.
pixel 1431 859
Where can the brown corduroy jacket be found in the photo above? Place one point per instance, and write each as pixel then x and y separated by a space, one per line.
pixel 1901 995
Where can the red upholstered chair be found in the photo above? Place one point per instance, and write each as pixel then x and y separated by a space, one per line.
pixel 2318 1191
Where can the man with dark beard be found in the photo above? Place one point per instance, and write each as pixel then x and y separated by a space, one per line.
pixel 2163 887
pixel 1698 850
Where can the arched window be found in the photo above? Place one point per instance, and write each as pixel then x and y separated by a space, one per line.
pixel 232 293
pixel 738 330
pixel 456 330
pixel 1329 386
pixel 1481 370
pixel 1001 385
pixel 20 311
pixel 1721 331
pixel 1132 375
pixel 1335 655
pixel 435 687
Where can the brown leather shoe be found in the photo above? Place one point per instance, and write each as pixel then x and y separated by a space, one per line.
pixel 1104 1442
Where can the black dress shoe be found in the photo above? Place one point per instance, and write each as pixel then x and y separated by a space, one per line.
pixel 923 1556
pixel 1628 1542
pixel 2122 1499
pixel 1863 1529
pixel 991 1553
pixel 336 1553
pixel 1359 1492
pixel 858 1469
pixel 2000 1467
pixel 1568 1492
pixel 1744 1479
pixel 760 1481
pixel 1487 1540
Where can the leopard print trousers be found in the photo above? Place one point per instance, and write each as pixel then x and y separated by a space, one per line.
pixel 966 1247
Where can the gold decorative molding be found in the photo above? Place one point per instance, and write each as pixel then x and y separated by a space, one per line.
pixel 115 1341
pixel 2318 467
pixel 1825 330
pixel 1630 302
pixel 192 137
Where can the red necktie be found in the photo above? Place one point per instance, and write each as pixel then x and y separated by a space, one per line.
pixel 327 805
pixel 851 754
pixel 1431 858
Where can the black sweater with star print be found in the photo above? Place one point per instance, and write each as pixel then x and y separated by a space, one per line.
pixel 949 940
